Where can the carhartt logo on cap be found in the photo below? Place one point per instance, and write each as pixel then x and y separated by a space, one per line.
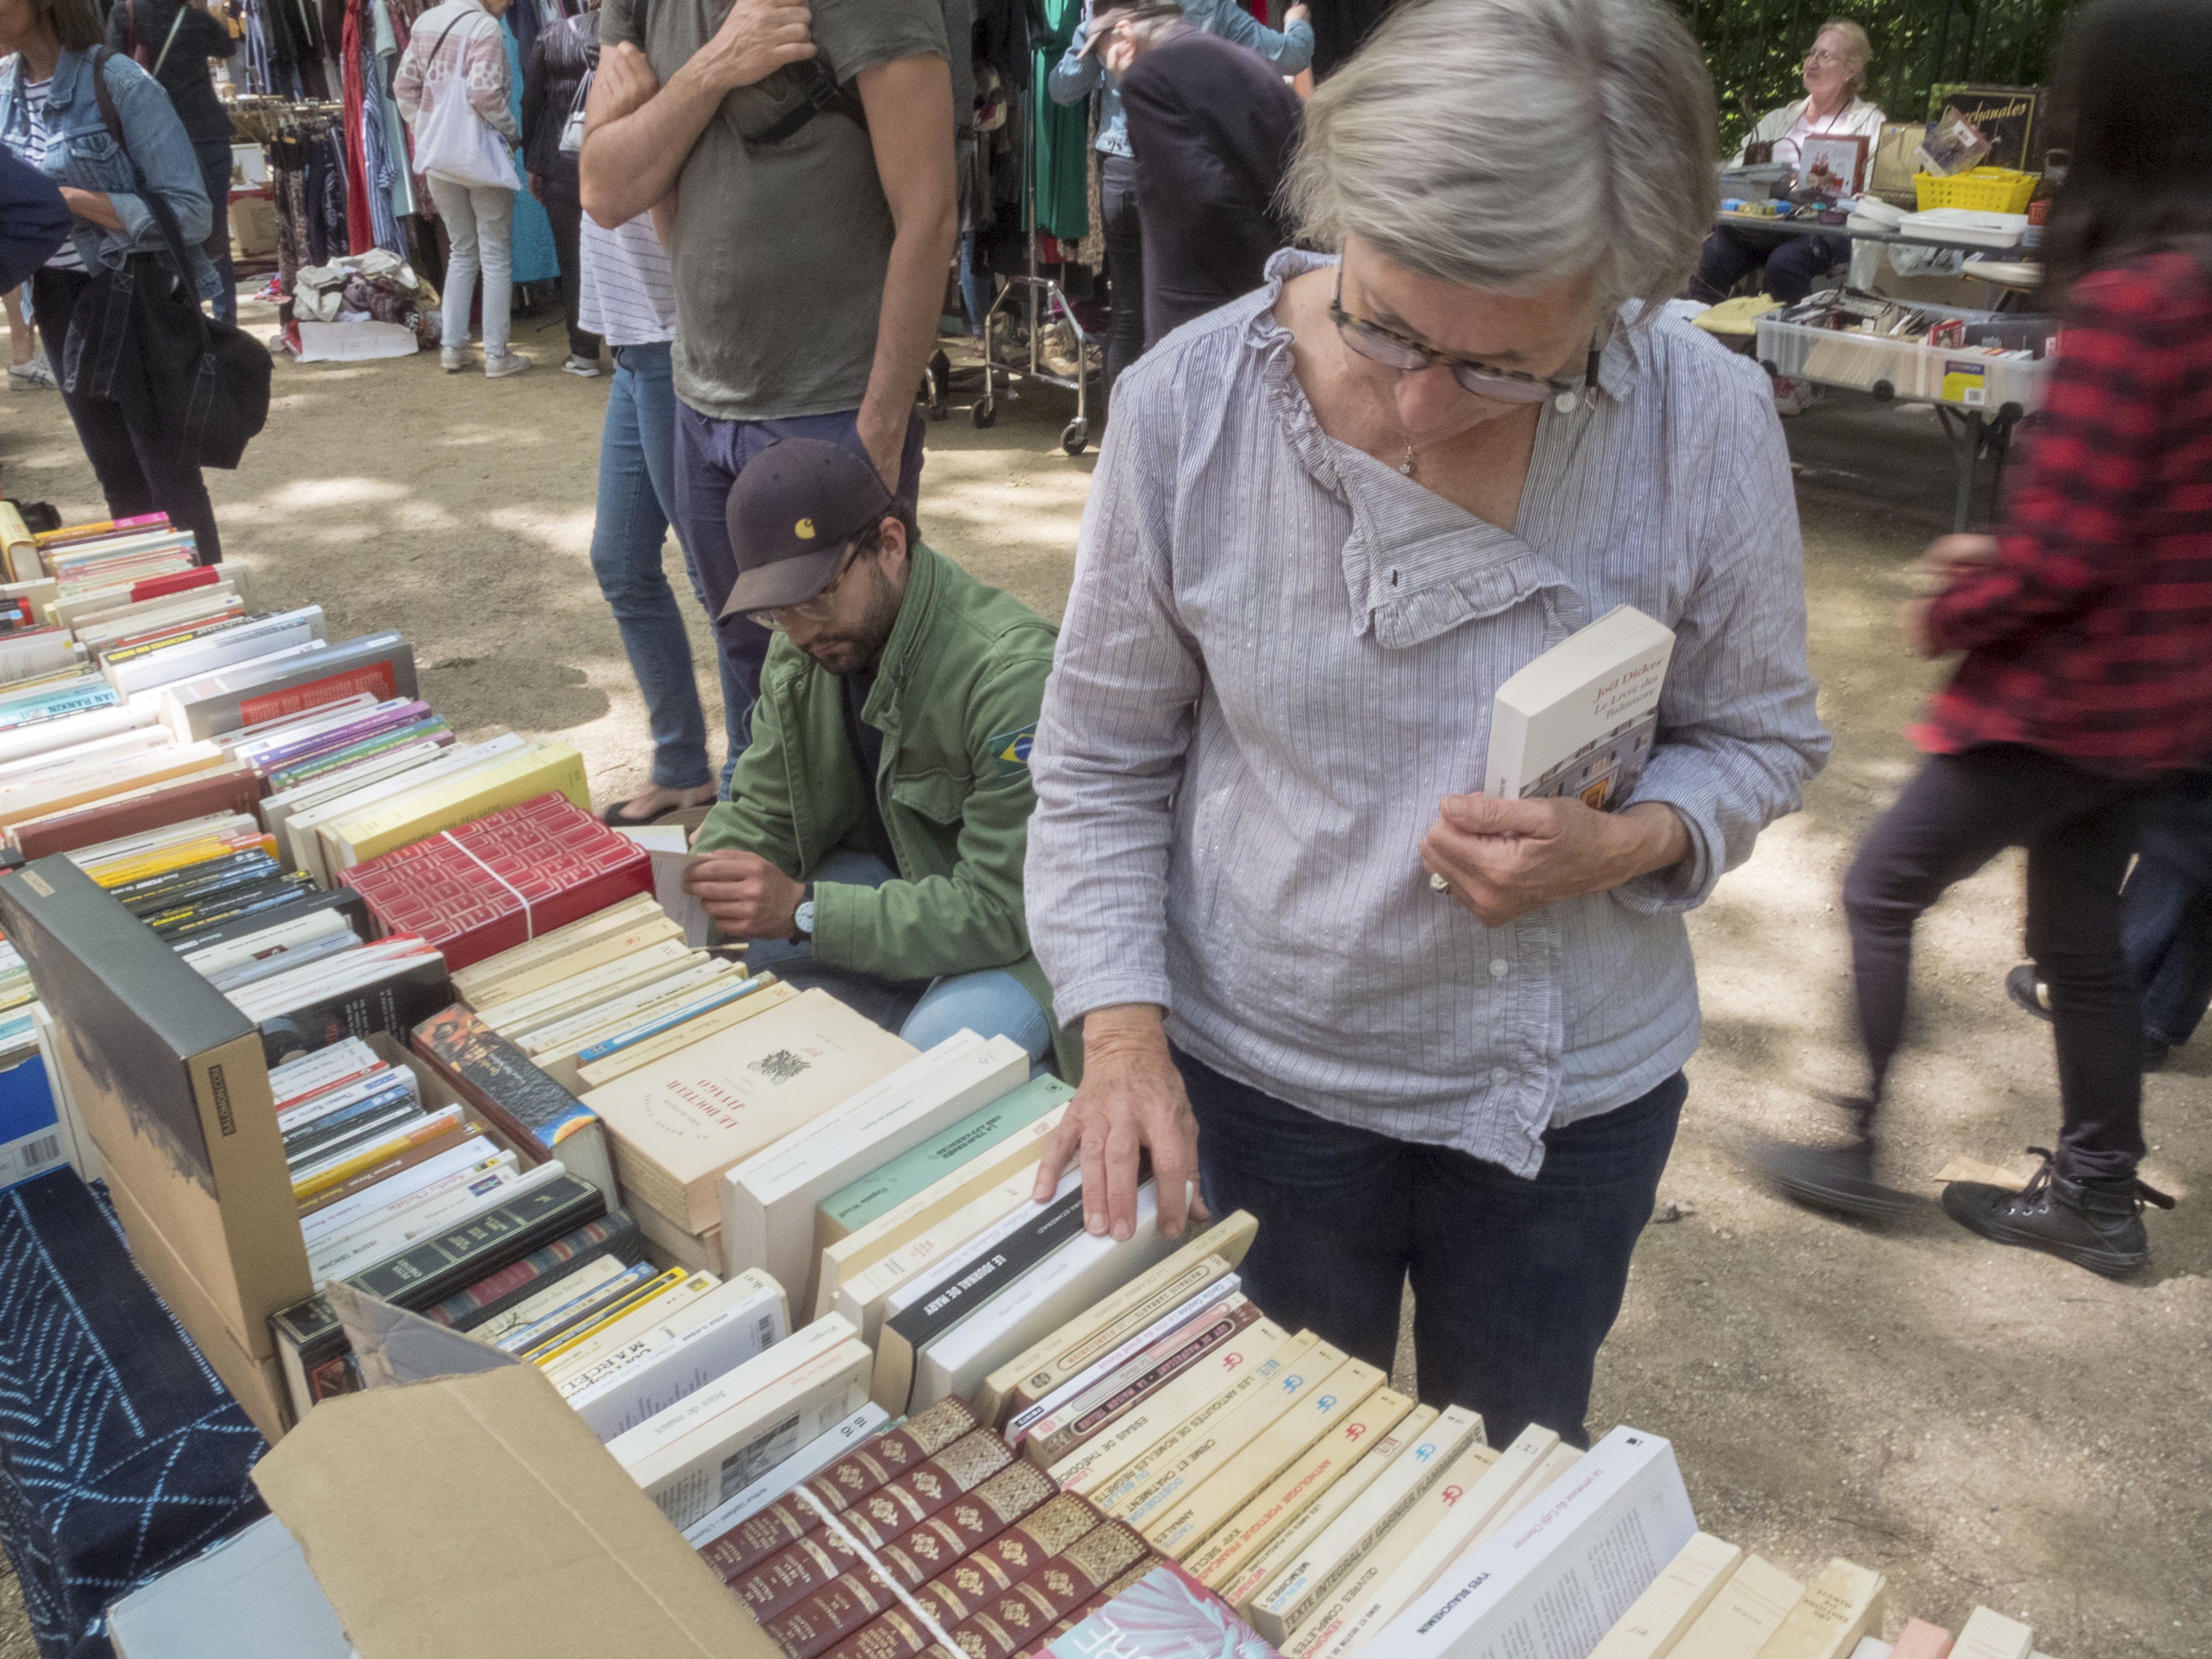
pixel 803 530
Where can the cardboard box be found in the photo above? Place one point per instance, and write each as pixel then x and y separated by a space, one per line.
pixel 169 1080
pixel 253 225
pixel 249 1597
pixel 565 1557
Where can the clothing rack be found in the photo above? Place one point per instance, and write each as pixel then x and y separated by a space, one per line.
pixel 1044 300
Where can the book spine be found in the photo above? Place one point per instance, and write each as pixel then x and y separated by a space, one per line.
pixel 1052 1592
pixel 437 1267
pixel 612 1234
pixel 958 1470
pixel 492 1075
pixel 967 1587
pixel 855 1476
pixel 450 1134
pixel 821 1620
pixel 1062 1434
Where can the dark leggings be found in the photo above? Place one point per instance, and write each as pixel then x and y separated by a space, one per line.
pixel 138 466
pixel 565 209
pixel 1125 264
pixel 2079 828
pixel 1794 262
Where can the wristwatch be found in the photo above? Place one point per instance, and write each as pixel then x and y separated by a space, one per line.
pixel 802 919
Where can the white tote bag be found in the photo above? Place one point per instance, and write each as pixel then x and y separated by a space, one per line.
pixel 452 141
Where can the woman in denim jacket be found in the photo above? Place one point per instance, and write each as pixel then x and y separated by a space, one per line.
pixel 50 116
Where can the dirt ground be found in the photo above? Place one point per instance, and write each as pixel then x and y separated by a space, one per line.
pixel 1981 1424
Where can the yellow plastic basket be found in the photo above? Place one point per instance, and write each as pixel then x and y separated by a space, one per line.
pixel 1985 190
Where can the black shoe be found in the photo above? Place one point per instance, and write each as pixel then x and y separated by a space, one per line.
pixel 2097 1224
pixel 1839 1179
pixel 2028 992
pixel 2154 1055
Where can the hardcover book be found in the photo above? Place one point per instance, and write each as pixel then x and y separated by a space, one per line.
pixel 529 1108
pixel 483 886
pixel 1581 720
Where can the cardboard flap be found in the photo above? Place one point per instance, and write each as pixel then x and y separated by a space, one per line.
pixel 478 1515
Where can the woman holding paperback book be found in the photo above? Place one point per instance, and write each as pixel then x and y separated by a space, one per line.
pixel 1348 508
pixel 2086 626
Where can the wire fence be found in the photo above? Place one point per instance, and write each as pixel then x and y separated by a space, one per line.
pixel 1756 48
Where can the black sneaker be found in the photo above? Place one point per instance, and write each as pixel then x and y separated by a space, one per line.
pixel 1839 1179
pixel 2097 1224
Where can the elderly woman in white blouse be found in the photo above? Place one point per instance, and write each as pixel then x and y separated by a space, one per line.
pixel 1414 1029
pixel 1835 76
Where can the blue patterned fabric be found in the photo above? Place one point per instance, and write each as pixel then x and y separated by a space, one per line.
pixel 121 1454
pixel 533 256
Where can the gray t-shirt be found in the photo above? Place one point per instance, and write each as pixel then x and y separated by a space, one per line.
pixel 780 249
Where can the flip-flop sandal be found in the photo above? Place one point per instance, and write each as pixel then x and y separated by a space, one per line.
pixel 613 816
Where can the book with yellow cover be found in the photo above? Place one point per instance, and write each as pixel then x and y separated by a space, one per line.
pixel 1345 1436
pixel 1295 1591
pixel 1671 1602
pixel 554 1346
pixel 1325 1619
pixel 1179 1461
pixel 1749 1608
pixel 537 768
pixel 635 923
pixel 1216 1385
pixel 1181 1527
pixel 1843 1605
pixel 1241 1586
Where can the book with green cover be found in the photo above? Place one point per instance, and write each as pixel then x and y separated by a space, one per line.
pixel 889 1185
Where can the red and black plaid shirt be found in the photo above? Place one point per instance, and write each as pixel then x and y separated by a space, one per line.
pixel 2091 634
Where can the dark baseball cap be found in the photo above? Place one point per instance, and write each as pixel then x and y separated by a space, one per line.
pixel 791 513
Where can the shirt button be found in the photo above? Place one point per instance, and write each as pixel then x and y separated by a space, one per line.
pixel 1500 967
pixel 1497 1076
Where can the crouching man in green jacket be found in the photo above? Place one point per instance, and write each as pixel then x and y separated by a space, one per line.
pixel 873 839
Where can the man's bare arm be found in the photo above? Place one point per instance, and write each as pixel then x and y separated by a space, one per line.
pixel 909 108
pixel 638 134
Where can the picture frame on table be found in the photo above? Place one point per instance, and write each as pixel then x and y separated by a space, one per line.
pixel 1832 162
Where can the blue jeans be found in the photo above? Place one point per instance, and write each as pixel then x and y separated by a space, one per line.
pixel 214 162
pixel 2166 910
pixel 1515 1283
pixel 637 494
pixel 990 1002
pixel 709 455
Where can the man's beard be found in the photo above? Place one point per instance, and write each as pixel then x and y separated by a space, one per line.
pixel 848 653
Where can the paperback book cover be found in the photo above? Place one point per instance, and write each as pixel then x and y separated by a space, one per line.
pixel 1582 718
pixel 1166 1615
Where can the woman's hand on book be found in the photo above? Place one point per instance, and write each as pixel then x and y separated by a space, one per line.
pixel 1131 1102
pixel 1503 858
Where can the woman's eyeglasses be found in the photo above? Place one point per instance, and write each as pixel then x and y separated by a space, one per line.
pixel 814 609
pixel 1392 349
pixel 1821 57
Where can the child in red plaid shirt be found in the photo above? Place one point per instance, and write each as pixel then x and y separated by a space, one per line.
pixel 2086 626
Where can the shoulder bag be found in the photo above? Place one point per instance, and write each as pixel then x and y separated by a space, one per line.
pixel 139 337
pixel 452 141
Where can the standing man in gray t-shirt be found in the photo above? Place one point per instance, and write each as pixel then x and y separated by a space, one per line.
pixel 799 163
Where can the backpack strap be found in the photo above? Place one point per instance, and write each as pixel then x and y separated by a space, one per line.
pixel 165 216
pixel 824 93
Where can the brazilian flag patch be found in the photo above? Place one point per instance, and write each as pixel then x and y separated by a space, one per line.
pixel 1010 750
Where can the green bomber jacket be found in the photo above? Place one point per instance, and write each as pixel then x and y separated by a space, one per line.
pixel 957 695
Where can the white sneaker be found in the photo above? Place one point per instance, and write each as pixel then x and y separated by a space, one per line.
pixel 498 365
pixel 584 368
pixel 33 371
pixel 454 359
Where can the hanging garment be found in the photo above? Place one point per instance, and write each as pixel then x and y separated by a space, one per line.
pixel 382 171
pixel 361 233
pixel 1061 156
pixel 386 44
pixel 534 257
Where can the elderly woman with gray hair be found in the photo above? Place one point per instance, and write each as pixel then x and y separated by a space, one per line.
pixel 1330 519
pixel 1834 74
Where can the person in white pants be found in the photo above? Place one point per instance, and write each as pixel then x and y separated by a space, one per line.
pixel 457 50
